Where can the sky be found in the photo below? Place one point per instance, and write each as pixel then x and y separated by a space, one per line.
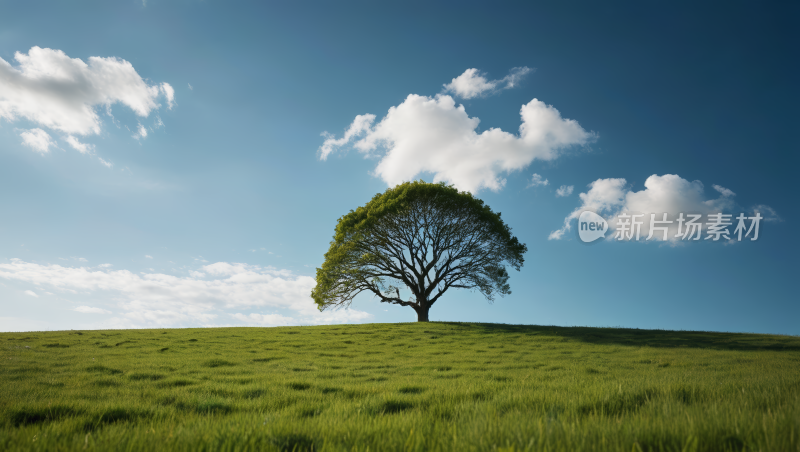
pixel 169 164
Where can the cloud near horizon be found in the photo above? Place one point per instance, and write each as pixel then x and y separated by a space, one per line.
pixel 670 194
pixel 62 94
pixel 91 310
pixel 434 135
pixel 214 296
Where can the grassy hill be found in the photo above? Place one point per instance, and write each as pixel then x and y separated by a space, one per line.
pixel 386 387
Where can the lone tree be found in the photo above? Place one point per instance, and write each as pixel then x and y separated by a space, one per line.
pixel 429 237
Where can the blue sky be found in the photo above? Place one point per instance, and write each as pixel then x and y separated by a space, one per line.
pixel 219 213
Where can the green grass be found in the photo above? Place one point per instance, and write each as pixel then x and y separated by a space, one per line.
pixel 387 387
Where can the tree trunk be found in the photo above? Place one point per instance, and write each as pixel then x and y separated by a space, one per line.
pixel 422 313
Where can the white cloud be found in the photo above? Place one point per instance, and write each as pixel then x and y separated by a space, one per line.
pixel 515 75
pixel 141 132
pixel 316 318
pixel 433 135
pixel 190 86
pixel 360 125
pixel 723 191
pixel 31 293
pixel 264 319
pixel 8 324
pixel 107 164
pixel 155 299
pixel 668 194
pixel 472 83
pixel 169 93
pixel 536 180
pixel 767 212
pixel 604 195
pixel 83 148
pixel 36 139
pixel 61 93
pixel 91 310
pixel 564 190
pixel 147 256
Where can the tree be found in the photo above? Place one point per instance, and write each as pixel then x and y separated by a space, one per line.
pixel 428 237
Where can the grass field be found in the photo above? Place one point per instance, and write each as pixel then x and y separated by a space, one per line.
pixel 387 387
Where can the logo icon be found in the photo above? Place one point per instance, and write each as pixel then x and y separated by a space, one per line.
pixel 591 226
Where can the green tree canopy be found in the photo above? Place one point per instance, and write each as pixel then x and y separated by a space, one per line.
pixel 428 237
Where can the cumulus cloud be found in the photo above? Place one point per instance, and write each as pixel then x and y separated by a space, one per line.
pixel 91 310
pixel 536 180
pixel 37 139
pixel 60 93
pixel 155 299
pixel 472 83
pixel 668 194
pixel 434 135
pixel 604 195
pixel 564 190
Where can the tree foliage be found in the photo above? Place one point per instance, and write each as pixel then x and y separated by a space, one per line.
pixel 428 237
